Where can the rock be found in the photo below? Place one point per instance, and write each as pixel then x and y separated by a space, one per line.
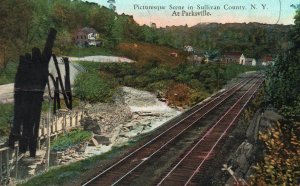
pixel 269 119
pixel 147 114
pixel 135 116
pixel 67 158
pixel 90 124
pixel 87 106
pixel 102 139
pixel 82 147
pixel 243 154
pixel 162 99
pixel 252 131
pixel 59 155
pixel 95 142
pixel 261 122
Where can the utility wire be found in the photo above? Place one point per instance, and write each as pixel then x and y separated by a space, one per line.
pixel 279 16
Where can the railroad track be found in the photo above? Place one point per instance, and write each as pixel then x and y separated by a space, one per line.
pixel 131 166
pixel 193 161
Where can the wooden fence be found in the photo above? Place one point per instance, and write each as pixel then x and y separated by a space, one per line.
pixel 9 162
pixel 59 123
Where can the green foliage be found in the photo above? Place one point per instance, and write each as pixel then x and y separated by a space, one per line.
pixel 7 75
pixel 6 111
pixel 159 86
pixel 201 79
pixel 91 51
pixel 70 139
pixel 282 84
pixel 281 163
pixel 253 39
pixel 117 31
pixel 283 79
pixel 160 73
pixel 94 87
pixel 63 175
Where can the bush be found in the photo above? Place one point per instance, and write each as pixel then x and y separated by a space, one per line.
pixel 6 117
pixel 160 73
pixel 94 87
pixel 70 139
pixel 198 96
pixel 161 86
pixel 179 94
pixel 281 162
pixel 7 75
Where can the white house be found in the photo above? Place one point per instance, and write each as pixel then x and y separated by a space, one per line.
pixel 267 60
pixel 232 57
pixel 242 60
pixel 188 49
pixel 254 62
pixel 247 61
pixel 87 37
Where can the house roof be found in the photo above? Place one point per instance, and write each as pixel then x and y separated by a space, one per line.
pixel 249 59
pixel 267 58
pixel 233 54
pixel 87 30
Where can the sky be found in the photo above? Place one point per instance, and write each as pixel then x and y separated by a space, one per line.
pixel 265 11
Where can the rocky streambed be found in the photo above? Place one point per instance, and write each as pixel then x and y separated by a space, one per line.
pixel 131 113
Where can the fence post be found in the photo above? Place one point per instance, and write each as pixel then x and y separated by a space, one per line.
pixel 76 119
pixel 71 117
pixel 17 164
pixel 1 165
pixel 7 164
pixel 39 143
pixel 56 121
pixel 65 122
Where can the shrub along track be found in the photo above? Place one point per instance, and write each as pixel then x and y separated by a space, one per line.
pixel 150 160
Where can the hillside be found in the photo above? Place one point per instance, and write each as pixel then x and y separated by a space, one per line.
pixel 253 39
pixel 148 53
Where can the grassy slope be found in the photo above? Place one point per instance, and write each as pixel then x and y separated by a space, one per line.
pixel 91 51
pixel 145 53
pixel 69 174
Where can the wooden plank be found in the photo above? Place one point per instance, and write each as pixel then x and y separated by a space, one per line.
pixel 1 171
pixel 17 163
pixel 7 164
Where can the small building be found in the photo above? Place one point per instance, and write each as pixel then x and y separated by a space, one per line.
pixel 249 62
pixel 188 49
pixel 87 37
pixel 173 54
pixel 153 25
pixel 242 60
pixel 195 58
pixel 232 57
pixel 267 60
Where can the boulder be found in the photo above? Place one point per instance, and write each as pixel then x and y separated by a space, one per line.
pixel 102 139
pixel 261 122
pixel 90 124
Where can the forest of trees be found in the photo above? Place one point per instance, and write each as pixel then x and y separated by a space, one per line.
pixel 253 39
pixel 26 23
